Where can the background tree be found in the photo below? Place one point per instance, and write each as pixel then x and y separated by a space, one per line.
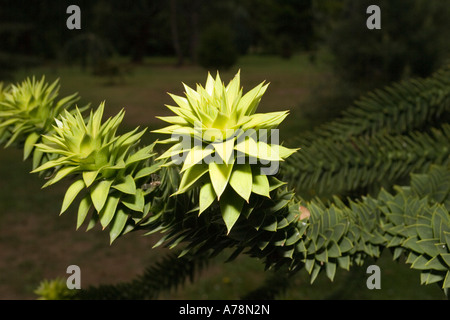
pixel 410 42
pixel 217 49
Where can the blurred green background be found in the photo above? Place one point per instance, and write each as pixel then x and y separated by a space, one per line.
pixel 318 56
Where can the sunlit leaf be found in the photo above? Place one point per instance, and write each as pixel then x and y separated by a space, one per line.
pixel 261 185
pixel 206 197
pixel 71 194
pixel 219 175
pixel 117 225
pixel 241 180
pixel 126 186
pixel 108 211
pixel 99 194
pixel 29 144
pixel 135 202
pixel 230 207
pixel 190 176
pixel 83 210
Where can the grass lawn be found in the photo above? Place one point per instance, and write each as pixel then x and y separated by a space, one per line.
pixel 143 93
pixel 36 243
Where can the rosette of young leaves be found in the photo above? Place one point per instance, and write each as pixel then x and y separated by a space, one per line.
pixel 224 144
pixel 27 111
pixel 55 289
pixel 108 170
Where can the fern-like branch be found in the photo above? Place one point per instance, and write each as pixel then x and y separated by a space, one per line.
pixel 331 166
pixel 402 107
pixel 164 275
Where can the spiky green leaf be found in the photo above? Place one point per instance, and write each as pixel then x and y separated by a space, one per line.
pixel 99 194
pixel 71 194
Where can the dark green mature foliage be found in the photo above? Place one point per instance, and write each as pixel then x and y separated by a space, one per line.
pixel 361 162
pixel 385 136
pixel 166 274
pixel 413 104
pixel 413 222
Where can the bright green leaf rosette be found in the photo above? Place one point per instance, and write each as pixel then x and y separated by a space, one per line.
pixel 27 111
pixel 105 165
pixel 222 145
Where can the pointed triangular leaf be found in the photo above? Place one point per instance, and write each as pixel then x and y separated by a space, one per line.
pixel 268 152
pixel 83 210
pixel 60 174
pixel 29 144
pixel 190 176
pixel 225 149
pixel 206 197
pixel 37 157
pixel 92 222
pixel 89 177
pixel 330 269
pixel 219 175
pixel 344 262
pixel 265 120
pixel 99 194
pixel 180 101
pixel 71 194
pixel 428 277
pixel 47 165
pixel 261 185
pixel 274 183
pixel 248 101
pixel 144 172
pixel 109 210
pixel 127 185
pixel 230 207
pixel 140 155
pixel 232 90
pixel 446 281
pixel 117 225
pixel 195 156
pixel 247 145
pixel 135 202
pixel 436 264
pixel 446 258
pixel 241 180
pixel 176 149
pixel 174 120
pixel 286 152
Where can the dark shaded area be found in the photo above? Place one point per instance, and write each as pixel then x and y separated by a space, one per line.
pixel 137 29
pixel 214 34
